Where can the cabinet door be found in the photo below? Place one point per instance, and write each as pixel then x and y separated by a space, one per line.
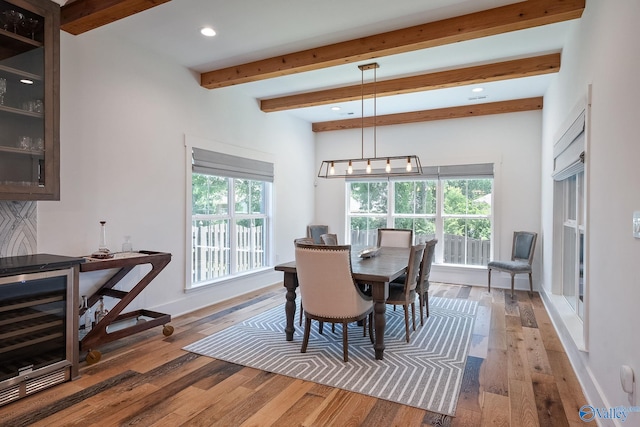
pixel 29 103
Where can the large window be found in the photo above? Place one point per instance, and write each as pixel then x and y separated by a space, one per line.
pixel 230 218
pixel 452 204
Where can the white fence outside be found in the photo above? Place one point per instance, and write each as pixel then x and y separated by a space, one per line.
pixel 211 251
pixel 477 252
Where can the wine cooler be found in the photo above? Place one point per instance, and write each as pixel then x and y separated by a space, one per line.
pixel 38 338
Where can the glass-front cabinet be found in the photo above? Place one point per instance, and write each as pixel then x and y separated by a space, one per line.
pixel 29 100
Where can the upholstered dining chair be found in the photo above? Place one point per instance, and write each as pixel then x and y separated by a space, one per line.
pixel 406 295
pixel 329 239
pixel 304 241
pixel 422 288
pixel 315 231
pixel 329 292
pixel 524 245
pixel 395 237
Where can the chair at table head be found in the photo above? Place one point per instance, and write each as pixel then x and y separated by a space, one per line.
pixel 524 246
pixel 395 237
pixel 315 231
pixel 328 290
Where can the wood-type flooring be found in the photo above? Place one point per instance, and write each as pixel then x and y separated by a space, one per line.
pixel 517 374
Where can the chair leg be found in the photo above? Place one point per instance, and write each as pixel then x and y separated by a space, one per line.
pixel 512 282
pixel 307 332
pixel 371 327
pixel 364 326
pixel 333 328
pixel 345 342
pixel 420 303
pixel 406 321
pixel 531 283
pixel 320 327
pixel 426 302
pixel 301 311
pixel 413 315
pixel 489 281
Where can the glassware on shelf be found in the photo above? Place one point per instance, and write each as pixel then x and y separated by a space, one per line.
pixel 31 25
pixel 13 19
pixel 3 89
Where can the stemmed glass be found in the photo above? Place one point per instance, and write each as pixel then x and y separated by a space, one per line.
pixel 31 25
pixel 3 89
pixel 14 18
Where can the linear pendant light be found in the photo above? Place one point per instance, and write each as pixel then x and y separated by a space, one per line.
pixel 375 166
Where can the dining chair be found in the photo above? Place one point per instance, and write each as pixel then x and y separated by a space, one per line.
pixel 315 231
pixel 325 280
pixel 422 288
pixel 329 239
pixel 524 245
pixel 395 237
pixel 305 241
pixel 406 295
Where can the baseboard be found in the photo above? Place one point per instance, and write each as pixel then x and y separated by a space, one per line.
pixel 579 361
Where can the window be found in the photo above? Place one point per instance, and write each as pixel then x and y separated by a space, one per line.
pixel 230 216
pixel 451 203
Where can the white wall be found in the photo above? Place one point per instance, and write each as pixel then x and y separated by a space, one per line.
pixel 511 141
pixel 124 116
pixel 603 51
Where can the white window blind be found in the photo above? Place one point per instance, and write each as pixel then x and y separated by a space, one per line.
pixel 220 164
pixel 568 151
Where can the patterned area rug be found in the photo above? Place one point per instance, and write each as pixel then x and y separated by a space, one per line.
pixel 425 373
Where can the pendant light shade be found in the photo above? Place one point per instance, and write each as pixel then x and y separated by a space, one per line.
pixel 370 166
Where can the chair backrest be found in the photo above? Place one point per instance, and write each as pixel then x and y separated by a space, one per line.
pixel 304 241
pixel 395 237
pixel 524 245
pixel 329 239
pixel 315 231
pixel 326 282
pixel 413 269
pixel 425 265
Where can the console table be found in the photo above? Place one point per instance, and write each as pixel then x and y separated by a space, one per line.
pixel 124 324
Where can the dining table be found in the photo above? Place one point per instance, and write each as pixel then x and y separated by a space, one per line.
pixel 377 271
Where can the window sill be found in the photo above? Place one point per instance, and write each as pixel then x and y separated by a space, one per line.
pixel 571 323
pixel 227 279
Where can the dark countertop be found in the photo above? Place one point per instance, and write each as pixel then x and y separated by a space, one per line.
pixel 36 262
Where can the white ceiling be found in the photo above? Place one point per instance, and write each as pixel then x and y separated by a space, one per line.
pixel 249 30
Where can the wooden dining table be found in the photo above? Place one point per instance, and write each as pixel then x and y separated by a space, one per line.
pixel 388 264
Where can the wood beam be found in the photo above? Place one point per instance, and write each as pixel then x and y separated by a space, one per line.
pixel 514 69
pixel 518 16
pixel 83 15
pixel 503 107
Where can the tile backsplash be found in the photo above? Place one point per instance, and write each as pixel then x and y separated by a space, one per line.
pixel 18 228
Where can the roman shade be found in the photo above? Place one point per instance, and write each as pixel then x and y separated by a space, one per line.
pixel 568 151
pixel 220 164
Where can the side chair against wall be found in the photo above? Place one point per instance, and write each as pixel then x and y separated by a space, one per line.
pixel 329 239
pixel 395 237
pixel 406 295
pixel 325 280
pixel 524 245
pixel 315 231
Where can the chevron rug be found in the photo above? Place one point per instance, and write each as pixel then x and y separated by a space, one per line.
pixel 425 373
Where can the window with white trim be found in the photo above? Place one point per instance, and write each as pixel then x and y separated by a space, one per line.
pixel 230 215
pixel 450 203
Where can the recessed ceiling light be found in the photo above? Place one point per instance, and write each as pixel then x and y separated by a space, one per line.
pixel 26 81
pixel 335 108
pixel 208 31
pixel 477 89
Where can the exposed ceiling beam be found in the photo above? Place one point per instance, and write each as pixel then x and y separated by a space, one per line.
pixel 83 15
pixel 503 107
pixel 517 16
pixel 514 69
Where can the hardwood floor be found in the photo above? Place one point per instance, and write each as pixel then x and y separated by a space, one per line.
pixel 517 374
